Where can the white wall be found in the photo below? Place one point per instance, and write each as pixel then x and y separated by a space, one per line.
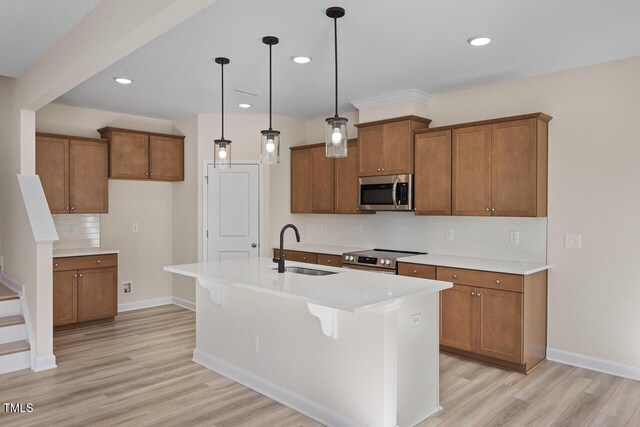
pixel 142 254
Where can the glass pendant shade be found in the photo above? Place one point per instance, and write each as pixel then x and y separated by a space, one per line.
pixel 222 154
pixel 336 141
pixel 270 152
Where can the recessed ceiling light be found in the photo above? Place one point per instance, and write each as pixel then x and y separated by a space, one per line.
pixel 301 59
pixel 123 80
pixel 479 41
pixel 244 105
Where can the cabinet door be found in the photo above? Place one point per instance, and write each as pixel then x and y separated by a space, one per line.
pixel 397 148
pixel 52 165
pixel 88 176
pixel 129 155
pixel 458 317
pixel 499 324
pixel 471 171
pixel 513 165
pixel 166 158
pixel 97 293
pixel 346 184
pixel 322 180
pixel 301 166
pixel 370 150
pixel 65 298
pixel 433 173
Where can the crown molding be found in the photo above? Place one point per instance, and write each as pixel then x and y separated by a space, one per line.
pixel 392 98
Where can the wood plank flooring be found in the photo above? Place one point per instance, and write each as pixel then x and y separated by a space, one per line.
pixel 138 372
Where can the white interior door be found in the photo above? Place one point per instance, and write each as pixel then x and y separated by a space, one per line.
pixel 233 212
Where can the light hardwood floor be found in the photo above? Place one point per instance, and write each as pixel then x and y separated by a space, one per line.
pixel 138 371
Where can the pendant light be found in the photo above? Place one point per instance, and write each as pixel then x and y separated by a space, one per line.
pixel 270 141
pixel 336 138
pixel 222 147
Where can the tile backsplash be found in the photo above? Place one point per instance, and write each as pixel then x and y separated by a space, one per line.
pixel 78 231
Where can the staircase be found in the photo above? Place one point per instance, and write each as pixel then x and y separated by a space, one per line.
pixel 15 351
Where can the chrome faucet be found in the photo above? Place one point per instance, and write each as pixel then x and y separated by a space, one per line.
pixel 281 259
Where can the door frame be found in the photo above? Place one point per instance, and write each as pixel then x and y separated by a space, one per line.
pixel 205 204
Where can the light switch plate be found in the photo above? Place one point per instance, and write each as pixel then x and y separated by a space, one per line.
pixel 415 320
pixel 127 288
pixel 255 341
pixel 573 240
pixel 448 233
pixel 134 227
pixel 359 228
pixel 514 237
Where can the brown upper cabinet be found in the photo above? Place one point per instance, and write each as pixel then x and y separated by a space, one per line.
pixel 74 173
pixel 144 155
pixel 312 180
pixel 320 184
pixel 497 167
pixel 432 194
pixel 386 146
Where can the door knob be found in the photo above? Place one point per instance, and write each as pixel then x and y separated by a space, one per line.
pixel 254 245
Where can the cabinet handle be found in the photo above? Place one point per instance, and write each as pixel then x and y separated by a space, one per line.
pixel 498 281
pixel 81 275
pixel 151 174
pixel 304 258
pixel 99 261
pixel 478 294
pixel 328 261
pixel 67 208
pixel 455 276
pixel 487 209
pixel 382 169
pixel 55 265
pixel 415 271
pixel 72 208
pixel 473 294
pixel 146 174
pixel 493 209
pixel 75 275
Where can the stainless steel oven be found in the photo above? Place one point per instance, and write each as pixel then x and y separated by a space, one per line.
pixel 373 269
pixel 386 193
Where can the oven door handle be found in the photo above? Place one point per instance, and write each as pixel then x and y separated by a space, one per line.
pixel 393 192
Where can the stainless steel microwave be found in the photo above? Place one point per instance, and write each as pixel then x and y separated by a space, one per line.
pixel 386 193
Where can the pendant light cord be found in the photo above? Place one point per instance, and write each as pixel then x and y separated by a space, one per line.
pixel 335 32
pixel 270 88
pixel 222 92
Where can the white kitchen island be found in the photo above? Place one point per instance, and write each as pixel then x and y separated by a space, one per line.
pixel 353 348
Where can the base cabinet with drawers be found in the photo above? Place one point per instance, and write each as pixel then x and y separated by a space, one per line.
pixel 493 317
pixel 309 257
pixel 84 289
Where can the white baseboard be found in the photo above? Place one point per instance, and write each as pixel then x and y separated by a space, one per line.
pixel 293 400
pixel 180 302
pixel 148 303
pixel 10 283
pixel 594 364
pixel 44 363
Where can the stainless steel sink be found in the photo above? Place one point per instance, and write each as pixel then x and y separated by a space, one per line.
pixel 308 271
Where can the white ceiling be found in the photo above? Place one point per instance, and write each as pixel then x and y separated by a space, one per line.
pixel 28 28
pixel 384 45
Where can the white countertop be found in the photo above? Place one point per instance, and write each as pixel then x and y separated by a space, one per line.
pixel 485 264
pixel 349 290
pixel 321 249
pixel 64 253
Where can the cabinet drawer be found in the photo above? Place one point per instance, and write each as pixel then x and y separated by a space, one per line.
pixel 82 262
pixel 297 256
pixel 482 279
pixel 417 270
pixel 332 260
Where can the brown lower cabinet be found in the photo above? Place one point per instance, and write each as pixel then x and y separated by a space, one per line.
pixel 494 317
pixel 309 257
pixel 84 289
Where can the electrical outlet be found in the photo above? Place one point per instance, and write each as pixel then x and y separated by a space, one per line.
pixel 415 320
pixel 134 227
pixel 127 288
pixel 71 228
pixel 514 237
pixel 448 233
pixel 255 340
pixel 573 240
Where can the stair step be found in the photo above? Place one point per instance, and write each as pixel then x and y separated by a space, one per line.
pixel 7 294
pixel 11 320
pixel 14 347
